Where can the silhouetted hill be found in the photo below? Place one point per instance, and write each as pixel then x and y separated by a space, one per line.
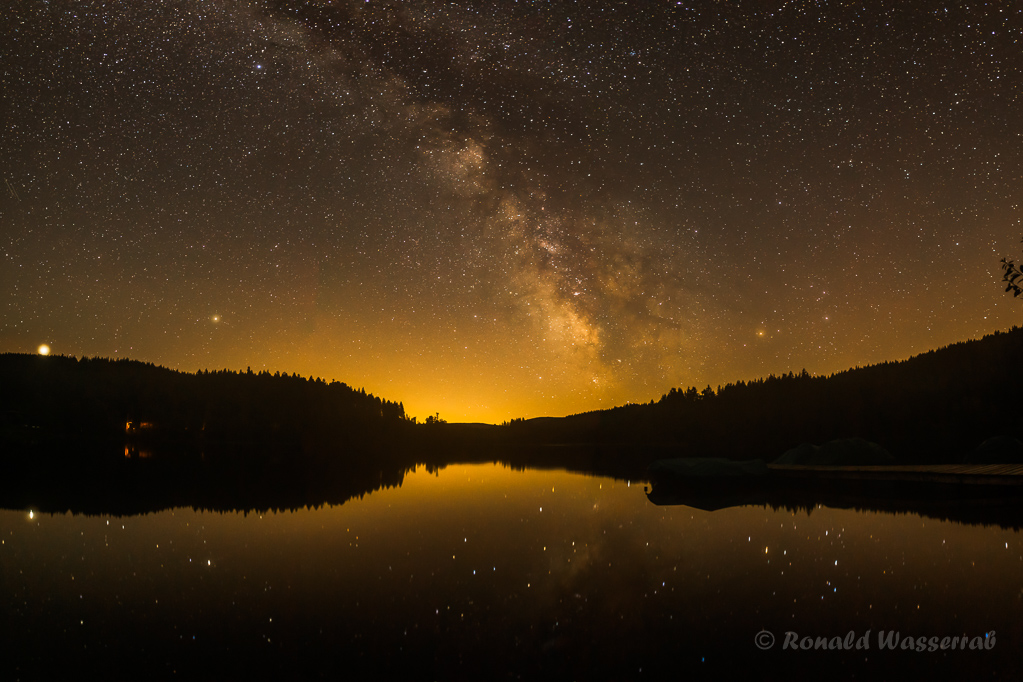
pixel 122 436
pixel 934 407
pixel 57 402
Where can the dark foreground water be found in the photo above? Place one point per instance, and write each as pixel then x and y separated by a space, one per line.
pixel 483 572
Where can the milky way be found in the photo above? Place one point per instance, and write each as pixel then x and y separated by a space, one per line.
pixel 503 209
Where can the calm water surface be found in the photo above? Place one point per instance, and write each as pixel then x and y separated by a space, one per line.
pixel 483 572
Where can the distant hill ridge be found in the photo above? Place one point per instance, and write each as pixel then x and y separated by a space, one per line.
pixel 60 398
pixel 933 407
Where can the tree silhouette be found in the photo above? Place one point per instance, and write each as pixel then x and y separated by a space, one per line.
pixel 1011 275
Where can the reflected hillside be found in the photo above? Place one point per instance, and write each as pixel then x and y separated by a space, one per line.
pixel 125 437
pixel 226 480
pixel 100 480
pixel 989 505
pixel 131 486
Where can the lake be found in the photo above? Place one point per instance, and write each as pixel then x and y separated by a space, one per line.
pixel 486 572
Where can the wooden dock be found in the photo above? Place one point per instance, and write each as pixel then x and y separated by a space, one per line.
pixel 963 474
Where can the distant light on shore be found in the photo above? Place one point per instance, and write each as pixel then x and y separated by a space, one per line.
pixel 44 349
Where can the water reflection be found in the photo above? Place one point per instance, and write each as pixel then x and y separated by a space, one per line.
pixel 483 572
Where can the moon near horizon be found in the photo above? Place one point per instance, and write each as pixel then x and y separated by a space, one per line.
pixel 43 349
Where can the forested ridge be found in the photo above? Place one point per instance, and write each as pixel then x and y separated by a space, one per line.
pixel 933 407
pixel 59 399
pixel 96 434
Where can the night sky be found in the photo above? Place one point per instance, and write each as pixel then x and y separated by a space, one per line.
pixel 508 209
